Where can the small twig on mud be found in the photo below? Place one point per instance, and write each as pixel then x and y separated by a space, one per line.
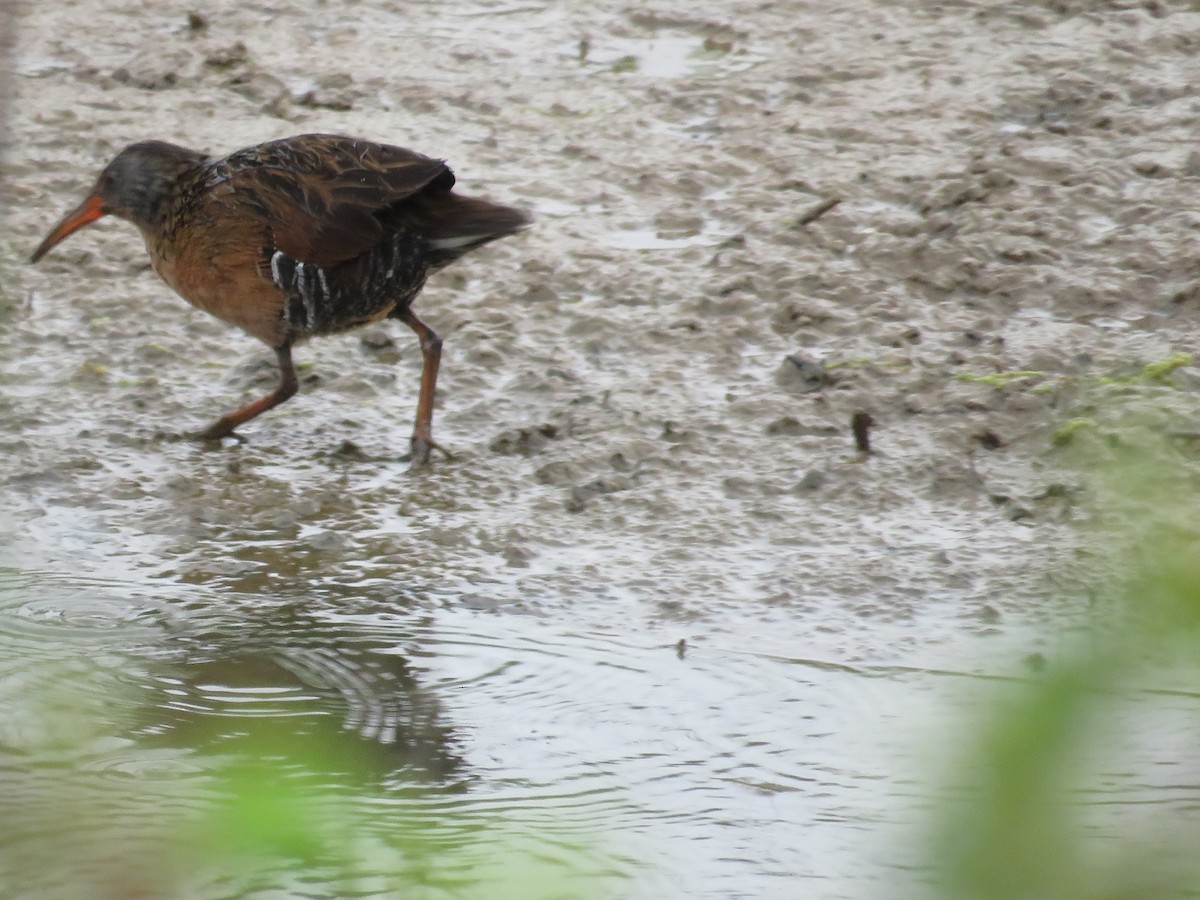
pixel 815 212
pixel 860 424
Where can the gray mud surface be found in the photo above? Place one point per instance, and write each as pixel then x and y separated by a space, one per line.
pixel 648 395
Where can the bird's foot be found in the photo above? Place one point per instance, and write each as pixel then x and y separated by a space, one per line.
pixel 178 437
pixel 422 449
pixel 214 432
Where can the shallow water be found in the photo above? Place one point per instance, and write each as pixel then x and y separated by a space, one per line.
pixel 590 758
pixel 715 769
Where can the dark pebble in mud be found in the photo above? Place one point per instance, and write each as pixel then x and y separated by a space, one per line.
pixel 228 57
pixel 377 339
pixel 348 450
pixel 556 473
pixel 260 370
pixel 516 557
pixel 381 345
pixel 581 494
pixel 988 439
pixel 799 373
pixel 813 480
pixel 326 540
pixel 1015 512
pixel 671 433
pixel 260 87
pixel 336 92
pixel 785 425
pixel 735 487
pixel 479 602
pixel 155 69
pixel 523 441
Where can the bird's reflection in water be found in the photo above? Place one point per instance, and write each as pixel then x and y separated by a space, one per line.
pixel 332 699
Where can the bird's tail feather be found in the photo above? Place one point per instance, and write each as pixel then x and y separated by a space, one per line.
pixel 453 224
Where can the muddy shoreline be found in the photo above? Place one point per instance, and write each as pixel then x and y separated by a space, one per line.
pixel 648 395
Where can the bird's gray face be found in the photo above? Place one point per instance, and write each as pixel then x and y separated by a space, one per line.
pixel 136 186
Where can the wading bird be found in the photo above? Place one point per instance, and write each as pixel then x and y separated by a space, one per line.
pixel 304 236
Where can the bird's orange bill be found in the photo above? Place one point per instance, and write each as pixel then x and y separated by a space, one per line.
pixel 88 211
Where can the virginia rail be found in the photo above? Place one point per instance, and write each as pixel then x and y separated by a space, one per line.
pixel 308 235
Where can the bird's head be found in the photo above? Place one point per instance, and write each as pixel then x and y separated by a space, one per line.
pixel 135 186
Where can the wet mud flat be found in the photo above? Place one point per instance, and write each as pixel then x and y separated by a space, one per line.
pixel 975 224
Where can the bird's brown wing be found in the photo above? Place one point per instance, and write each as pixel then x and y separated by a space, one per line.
pixel 321 195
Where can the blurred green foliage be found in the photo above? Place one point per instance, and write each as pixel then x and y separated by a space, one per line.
pixel 1035 808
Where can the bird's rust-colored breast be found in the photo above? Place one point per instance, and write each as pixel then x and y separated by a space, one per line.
pixel 211 256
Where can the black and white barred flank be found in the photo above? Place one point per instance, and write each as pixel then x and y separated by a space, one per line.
pixel 320 300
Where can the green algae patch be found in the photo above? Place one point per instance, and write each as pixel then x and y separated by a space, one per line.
pixel 1000 379
pixel 1066 433
pixel 1158 372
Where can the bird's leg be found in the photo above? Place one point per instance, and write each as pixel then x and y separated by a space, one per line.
pixel 431 350
pixel 288 385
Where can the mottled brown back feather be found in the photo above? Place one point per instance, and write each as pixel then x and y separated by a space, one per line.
pixel 322 196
